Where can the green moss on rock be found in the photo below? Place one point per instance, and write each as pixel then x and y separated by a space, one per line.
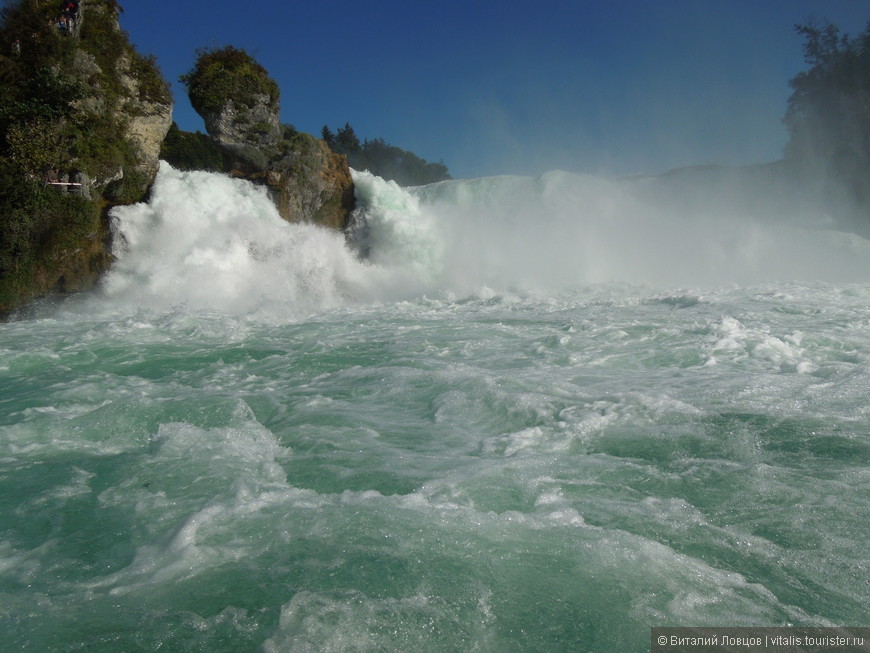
pixel 227 73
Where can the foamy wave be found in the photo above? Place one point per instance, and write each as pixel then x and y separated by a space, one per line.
pixel 207 241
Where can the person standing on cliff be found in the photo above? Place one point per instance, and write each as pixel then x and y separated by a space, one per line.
pixel 69 13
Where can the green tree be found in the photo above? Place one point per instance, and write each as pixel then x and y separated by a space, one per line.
pixel 385 160
pixel 346 140
pixel 828 115
pixel 327 135
pixel 191 151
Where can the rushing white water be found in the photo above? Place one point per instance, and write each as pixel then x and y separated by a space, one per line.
pixel 541 415
pixel 562 229
pixel 209 241
pixel 212 242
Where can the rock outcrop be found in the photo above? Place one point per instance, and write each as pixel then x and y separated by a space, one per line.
pixel 238 102
pixel 83 123
pixel 82 118
pixel 147 120
pixel 310 183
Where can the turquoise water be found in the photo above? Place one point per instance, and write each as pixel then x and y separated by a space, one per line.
pixel 249 440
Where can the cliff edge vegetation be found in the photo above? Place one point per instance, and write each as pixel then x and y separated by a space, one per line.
pixel 82 117
pixel 382 159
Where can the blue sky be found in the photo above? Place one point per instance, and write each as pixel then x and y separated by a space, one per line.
pixel 516 87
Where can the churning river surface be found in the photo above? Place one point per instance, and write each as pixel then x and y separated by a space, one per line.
pixel 542 415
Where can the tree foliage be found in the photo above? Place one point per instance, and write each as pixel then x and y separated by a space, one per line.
pixel 191 151
pixel 828 115
pixel 228 72
pixel 385 160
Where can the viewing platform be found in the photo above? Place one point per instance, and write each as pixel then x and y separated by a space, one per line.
pixel 68 187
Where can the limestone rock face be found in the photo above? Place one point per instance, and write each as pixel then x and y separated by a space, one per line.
pixel 312 184
pixel 146 131
pixel 237 124
pixel 123 96
pixel 147 120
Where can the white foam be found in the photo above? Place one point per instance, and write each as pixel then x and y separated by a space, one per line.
pixel 210 242
pixel 737 342
pixel 207 241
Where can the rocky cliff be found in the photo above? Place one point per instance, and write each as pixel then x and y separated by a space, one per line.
pixel 83 122
pixel 238 102
pixel 82 117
